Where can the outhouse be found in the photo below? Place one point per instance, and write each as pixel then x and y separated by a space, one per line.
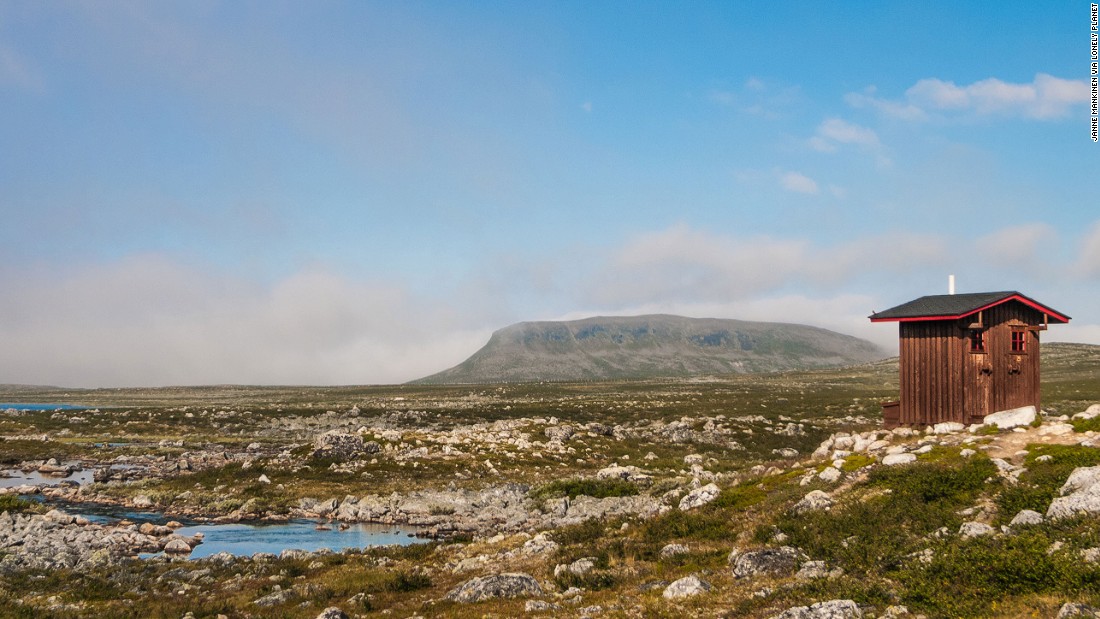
pixel 964 356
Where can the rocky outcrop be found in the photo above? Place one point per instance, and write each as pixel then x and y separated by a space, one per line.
pixel 699 497
pixel 833 609
pixel 781 561
pixel 57 540
pixel 495 586
pixel 1080 495
pixel 688 586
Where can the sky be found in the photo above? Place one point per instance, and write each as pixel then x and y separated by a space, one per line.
pixel 362 192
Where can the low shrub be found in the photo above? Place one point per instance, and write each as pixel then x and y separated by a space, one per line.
pixel 1038 486
pixel 967 577
pixel 596 488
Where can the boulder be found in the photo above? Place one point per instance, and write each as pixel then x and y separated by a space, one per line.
pixel 687 586
pixel 629 473
pixel 1082 479
pixel 830 475
pixel 948 427
pixel 813 501
pixel 1011 418
pixel 672 550
pixel 1076 609
pixel 896 459
pixel 332 612
pixel 1082 494
pixel 975 529
pixel 560 433
pixel 337 445
pixel 833 609
pixel 1026 516
pixel 580 567
pixel 495 586
pixel 779 561
pixel 699 497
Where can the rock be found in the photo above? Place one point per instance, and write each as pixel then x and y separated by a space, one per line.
pixel 1055 429
pixel 687 586
pixel 786 452
pixel 673 550
pixel 830 475
pixel 811 570
pixel 1011 418
pixel 540 544
pixel 893 612
pixel 779 561
pixel 560 433
pixel 1082 491
pixel 177 546
pixel 495 586
pixel 534 606
pixel 580 567
pixel 813 501
pixel 629 473
pixel 264 479
pixel 896 459
pixel 1082 479
pixel 1026 516
pixel 975 529
pixel 1091 412
pixel 948 427
pixel 699 497
pixel 275 598
pixel 142 501
pixel 337 445
pixel 332 612
pixel 1075 609
pixel 833 609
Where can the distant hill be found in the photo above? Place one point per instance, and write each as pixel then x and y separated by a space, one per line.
pixel 615 348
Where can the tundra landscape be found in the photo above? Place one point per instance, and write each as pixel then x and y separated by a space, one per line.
pixel 766 495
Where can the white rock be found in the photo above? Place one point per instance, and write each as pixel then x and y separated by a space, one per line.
pixel 687 586
pixel 830 474
pixel 699 497
pixel 263 479
pixel 896 459
pixel 1011 418
pixel 975 529
pixel 1026 516
pixel 1082 479
pixel 1055 429
pixel 948 427
pixel 815 500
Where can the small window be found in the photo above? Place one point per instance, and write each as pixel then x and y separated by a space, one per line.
pixel 977 340
pixel 1019 341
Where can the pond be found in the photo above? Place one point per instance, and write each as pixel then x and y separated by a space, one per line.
pixel 25 406
pixel 246 539
pixel 10 478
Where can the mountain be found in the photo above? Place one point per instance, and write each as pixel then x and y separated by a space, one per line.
pixel 611 348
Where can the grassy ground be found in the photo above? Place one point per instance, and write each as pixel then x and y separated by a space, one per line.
pixel 886 531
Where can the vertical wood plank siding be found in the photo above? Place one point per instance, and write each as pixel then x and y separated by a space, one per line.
pixel 941 380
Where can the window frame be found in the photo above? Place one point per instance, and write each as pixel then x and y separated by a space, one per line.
pixel 976 341
pixel 1018 342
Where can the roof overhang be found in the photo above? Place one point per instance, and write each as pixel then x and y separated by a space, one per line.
pixel 1052 315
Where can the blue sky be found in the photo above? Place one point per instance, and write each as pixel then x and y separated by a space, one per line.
pixel 335 193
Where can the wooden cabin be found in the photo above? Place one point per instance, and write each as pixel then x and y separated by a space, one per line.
pixel 964 356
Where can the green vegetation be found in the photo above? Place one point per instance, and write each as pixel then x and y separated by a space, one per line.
pixel 596 488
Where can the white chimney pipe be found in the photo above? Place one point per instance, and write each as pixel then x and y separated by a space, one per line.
pixel 950 284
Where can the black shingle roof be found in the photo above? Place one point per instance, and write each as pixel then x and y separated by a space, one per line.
pixel 958 305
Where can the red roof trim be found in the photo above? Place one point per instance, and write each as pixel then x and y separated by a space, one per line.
pixel 1051 314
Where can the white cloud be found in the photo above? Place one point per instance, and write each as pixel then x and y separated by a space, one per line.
pixel 1017 246
pixel 684 264
pixel 150 321
pixel 833 133
pixel 798 183
pixel 1088 261
pixel 1045 97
